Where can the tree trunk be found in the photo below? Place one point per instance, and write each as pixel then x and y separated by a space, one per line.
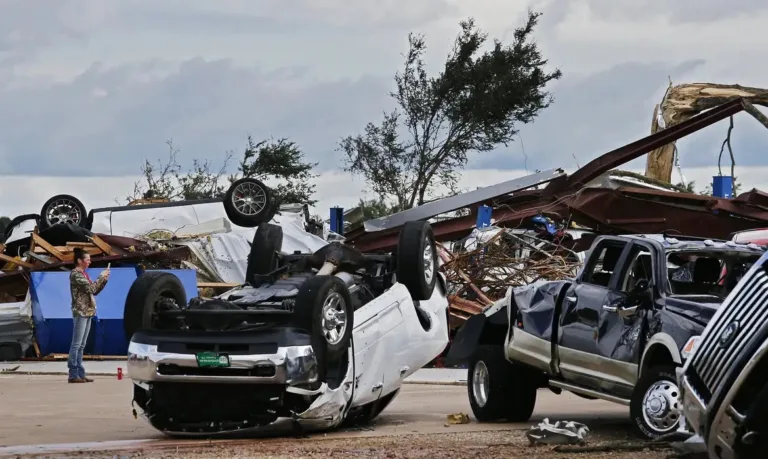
pixel 685 101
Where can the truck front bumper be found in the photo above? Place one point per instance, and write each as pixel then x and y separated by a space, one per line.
pixel 290 365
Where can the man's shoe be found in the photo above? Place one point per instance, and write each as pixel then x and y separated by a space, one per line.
pixel 76 380
pixel 87 379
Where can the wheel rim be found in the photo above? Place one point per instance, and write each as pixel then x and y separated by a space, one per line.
pixel 429 262
pixel 334 320
pixel 480 383
pixel 660 406
pixel 249 198
pixel 63 211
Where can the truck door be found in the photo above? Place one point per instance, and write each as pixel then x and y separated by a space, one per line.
pixel 582 309
pixel 619 337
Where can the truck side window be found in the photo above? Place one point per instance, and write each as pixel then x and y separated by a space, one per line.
pixel 604 264
pixel 640 266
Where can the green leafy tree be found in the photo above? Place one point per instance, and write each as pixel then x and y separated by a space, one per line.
pixel 376 208
pixel 474 104
pixel 279 160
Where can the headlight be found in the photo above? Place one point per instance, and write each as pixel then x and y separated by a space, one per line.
pixel 690 347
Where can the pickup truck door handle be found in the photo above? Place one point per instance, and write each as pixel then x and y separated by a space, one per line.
pixel 377 386
pixel 571 299
pixel 404 370
pixel 610 308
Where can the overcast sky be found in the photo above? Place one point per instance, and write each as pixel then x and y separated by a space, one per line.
pixel 88 88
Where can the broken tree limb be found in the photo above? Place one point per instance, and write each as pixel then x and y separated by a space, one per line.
pixel 684 101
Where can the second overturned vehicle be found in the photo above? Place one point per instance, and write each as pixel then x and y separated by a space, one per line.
pixel 312 340
pixel 618 331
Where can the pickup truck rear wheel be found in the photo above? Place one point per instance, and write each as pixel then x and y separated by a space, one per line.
pixel 324 307
pixel 417 260
pixel 266 244
pixel 654 407
pixel 499 389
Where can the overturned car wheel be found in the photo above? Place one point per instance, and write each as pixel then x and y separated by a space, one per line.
pixel 151 292
pixel 324 307
pixel 266 244
pixel 249 202
pixel 60 209
pixel 417 260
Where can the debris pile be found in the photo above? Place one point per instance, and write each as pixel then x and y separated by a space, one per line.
pixel 484 265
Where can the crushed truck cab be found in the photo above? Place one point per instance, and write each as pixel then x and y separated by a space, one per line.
pixel 616 332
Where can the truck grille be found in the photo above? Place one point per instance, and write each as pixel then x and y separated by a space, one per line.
pixel 745 311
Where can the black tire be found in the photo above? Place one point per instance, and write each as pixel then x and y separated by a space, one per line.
pixel 665 375
pixel 144 297
pixel 415 239
pixel 308 314
pixel 510 392
pixel 75 212
pixel 265 247
pixel 263 210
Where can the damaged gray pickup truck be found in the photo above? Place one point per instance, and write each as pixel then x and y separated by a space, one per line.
pixel 616 332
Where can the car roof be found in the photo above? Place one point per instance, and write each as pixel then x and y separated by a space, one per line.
pixel 675 242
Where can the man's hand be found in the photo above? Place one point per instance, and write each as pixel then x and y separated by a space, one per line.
pixel 105 273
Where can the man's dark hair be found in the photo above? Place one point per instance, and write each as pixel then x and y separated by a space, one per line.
pixel 79 254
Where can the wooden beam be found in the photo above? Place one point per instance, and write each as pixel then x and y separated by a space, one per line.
pixel 217 285
pixel 106 248
pixel 16 262
pixel 48 247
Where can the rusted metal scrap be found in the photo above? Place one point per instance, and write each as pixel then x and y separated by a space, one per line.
pixel 482 275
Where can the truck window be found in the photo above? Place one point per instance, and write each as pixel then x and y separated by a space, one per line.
pixel 603 265
pixel 640 267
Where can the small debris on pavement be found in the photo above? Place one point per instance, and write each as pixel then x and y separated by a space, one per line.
pixel 559 433
pixel 458 418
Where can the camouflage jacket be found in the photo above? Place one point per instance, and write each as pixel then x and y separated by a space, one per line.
pixel 83 290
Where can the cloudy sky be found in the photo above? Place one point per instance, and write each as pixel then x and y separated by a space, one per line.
pixel 88 88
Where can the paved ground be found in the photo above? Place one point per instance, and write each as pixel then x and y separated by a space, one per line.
pixel 41 409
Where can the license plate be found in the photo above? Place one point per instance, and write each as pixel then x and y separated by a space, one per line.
pixel 212 359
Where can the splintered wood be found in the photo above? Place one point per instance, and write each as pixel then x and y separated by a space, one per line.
pixel 482 275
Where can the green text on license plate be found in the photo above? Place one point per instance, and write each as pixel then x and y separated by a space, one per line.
pixel 212 359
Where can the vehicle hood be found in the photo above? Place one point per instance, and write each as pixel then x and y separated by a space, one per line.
pixel 698 308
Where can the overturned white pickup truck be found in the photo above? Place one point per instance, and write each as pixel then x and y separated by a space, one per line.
pixel 313 339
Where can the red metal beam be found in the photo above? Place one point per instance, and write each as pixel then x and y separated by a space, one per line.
pixel 634 150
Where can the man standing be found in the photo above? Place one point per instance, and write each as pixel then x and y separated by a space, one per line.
pixel 83 310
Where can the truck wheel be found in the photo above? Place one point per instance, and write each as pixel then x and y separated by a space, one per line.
pixel 249 202
pixel 655 407
pixel 151 292
pixel 324 307
pixel 266 244
pixel 62 208
pixel 417 260
pixel 498 389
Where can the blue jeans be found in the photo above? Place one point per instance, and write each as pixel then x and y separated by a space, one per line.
pixel 81 326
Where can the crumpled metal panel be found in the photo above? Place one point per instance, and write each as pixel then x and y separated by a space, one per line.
pixel 16 323
pixel 225 255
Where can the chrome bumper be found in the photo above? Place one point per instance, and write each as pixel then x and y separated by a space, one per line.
pixel 721 435
pixel 292 365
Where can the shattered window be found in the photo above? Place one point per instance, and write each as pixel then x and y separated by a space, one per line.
pixel 602 269
pixel 640 267
pixel 701 272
